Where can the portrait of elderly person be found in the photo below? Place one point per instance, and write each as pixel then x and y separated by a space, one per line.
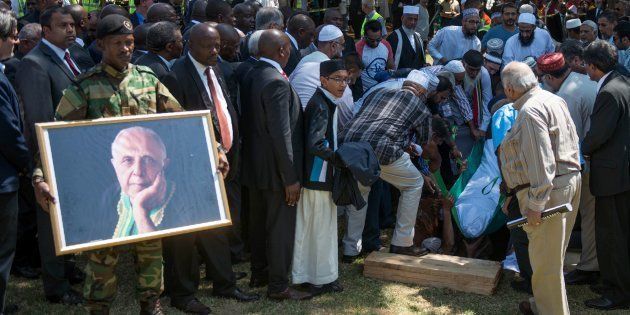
pixel 540 165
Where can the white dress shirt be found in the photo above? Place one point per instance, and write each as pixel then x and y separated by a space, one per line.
pixel 201 69
pixel 515 51
pixel 601 81
pixel 61 54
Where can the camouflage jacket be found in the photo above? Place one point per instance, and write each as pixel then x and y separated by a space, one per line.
pixel 106 92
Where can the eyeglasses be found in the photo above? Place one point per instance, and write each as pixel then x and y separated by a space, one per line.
pixel 339 80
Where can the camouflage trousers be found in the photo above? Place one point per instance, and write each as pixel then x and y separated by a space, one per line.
pixel 101 283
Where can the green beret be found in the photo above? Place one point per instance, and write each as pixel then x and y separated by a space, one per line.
pixel 113 24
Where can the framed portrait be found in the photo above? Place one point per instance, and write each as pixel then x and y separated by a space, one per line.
pixel 127 179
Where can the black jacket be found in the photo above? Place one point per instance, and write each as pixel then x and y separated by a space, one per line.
pixel 360 165
pixel 153 61
pixel 319 153
pixel 40 80
pixel 294 59
pixel 608 140
pixel 14 156
pixel 272 131
pixel 184 83
pixel 243 79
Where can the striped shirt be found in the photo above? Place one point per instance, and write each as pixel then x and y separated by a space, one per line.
pixel 541 145
pixel 387 121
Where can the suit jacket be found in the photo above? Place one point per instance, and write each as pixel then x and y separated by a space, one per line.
pixel 272 132
pixel 81 56
pixel 153 61
pixel 41 78
pixel 608 140
pixel 243 79
pixel 227 70
pixel 294 59
pixel 94 52
pixel 184 83
pixel 10 68
pixel 244 49
pixel 14 155
pixel 136 55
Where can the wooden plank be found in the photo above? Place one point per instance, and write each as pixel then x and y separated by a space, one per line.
pixel 458 273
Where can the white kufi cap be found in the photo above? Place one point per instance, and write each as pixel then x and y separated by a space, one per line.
pixel 527 18
pixel 411 9
pixel 455 66
pixel 328 33
pixel 573 23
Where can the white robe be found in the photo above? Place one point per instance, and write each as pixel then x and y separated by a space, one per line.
pixel 451 43
pixel 514 51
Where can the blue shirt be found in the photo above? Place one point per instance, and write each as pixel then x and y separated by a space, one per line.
pixel 502 122
pixel 497 32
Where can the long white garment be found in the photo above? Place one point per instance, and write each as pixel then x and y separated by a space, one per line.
pixel 451 43
pixel 315 259
pixel 515 51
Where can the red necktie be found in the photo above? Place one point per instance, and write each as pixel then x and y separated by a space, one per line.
pixel 224 127
pixel 74 70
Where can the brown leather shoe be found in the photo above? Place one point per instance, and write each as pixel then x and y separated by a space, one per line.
pixel 151 308
pixel 409 251
pixel 525 308
pixel 193 306
pixel 290 294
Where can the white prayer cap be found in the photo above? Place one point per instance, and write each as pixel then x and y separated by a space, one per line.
pixel 328 33
pixel 455 66
pixel 590 23
pixel 493 57
pixel 428 80
pixel 526 8
pixel 495 44
pixel 527 18
pixel 573 23
pixel 411 9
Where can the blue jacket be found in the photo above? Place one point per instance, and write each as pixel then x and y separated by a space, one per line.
pixel 14 156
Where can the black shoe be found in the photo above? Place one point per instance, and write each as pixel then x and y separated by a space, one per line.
pixel 151 308
pixel 603 303
pixel 71 297
pixel 525 308
pixel 194 306
pixel 240 275
pixel 334 286
pixel 11 309
pixel 25 272
pixel 347 259
pixel 580 277
pixel 409 251
pixel 76 276
pixel 522 286
pixel 255 282
pixel 240 296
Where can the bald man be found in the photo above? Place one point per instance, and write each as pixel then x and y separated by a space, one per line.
pixel 272 167
pixel 162 12
pixel 301 30
pixel 197 84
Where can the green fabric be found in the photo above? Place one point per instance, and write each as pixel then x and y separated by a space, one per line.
pixel 474 159
pixel 376 16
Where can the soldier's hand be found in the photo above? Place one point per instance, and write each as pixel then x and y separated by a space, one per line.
pixel 533 217
pixel 292 193
pixel 43 196
pixel 224 165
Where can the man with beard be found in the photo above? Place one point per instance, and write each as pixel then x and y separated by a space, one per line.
pixel 453 42
pixel 406 43
pixel 530 41
pixel 588 32
pixel 244 18
pixel 505 30
pixel 375 53
pixel 305 78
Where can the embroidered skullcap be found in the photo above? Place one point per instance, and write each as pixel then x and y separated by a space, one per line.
pixel 551 62
pixel 328 33
pixel 470 12
pixel 495 44
pixel 493 57
pixel 428 80
pixel 411 9
pixel 590 23
pixel 455 66
pixel 527 18
pixel 526 8
pixel 530 61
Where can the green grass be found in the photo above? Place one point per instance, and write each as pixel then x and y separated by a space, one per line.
pixel 361 296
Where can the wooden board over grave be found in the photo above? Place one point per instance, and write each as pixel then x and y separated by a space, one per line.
pixel 433 270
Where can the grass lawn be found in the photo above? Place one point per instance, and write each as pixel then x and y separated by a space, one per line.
pixel 361 295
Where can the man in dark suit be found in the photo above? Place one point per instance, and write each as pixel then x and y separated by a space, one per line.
pixel 267 18
pixel 301 31
pixel 198 15
pixel 140 41
pixel 197 85
pixel 272 166
pixel 43 75
pixel 164 42
pixel 606 144
pixel 14 159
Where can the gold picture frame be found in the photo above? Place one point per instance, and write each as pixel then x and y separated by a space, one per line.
pixel 49 160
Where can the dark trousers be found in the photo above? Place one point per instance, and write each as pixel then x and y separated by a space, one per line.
pixel 520 242
pixel 272 233
pixel 27 251
pixel 8 235
pixel 55 269
pixel 181 264
pixel 612 236
pixel 379 208
pixel 233 192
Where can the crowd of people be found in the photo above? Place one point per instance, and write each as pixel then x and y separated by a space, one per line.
pixel 315 126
